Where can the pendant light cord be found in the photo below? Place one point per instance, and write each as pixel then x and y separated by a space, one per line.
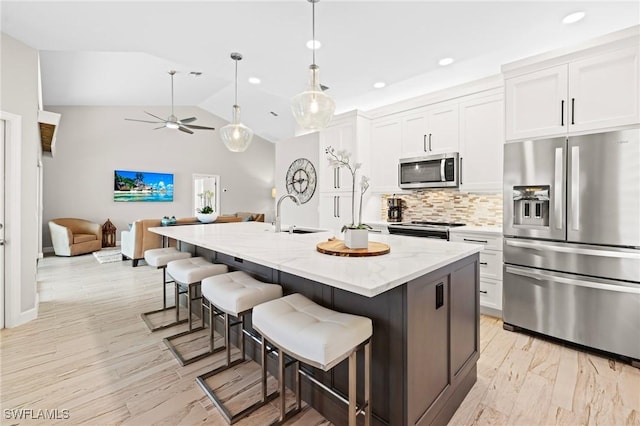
pixel 313 30
pixel 236 95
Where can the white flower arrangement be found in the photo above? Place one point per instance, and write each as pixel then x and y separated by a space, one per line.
pixel 341 159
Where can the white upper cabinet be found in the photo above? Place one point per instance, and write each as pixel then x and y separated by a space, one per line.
pixel 349 132
pixel 481 143
pixel 430 130
pixel 386 136
pixel 536 104
pixel 341 137
pixel 581 95
pixel 603 91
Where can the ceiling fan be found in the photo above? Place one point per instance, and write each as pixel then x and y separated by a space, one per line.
pixel 172 122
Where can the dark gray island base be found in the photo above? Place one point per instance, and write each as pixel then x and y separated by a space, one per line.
pixel 425 342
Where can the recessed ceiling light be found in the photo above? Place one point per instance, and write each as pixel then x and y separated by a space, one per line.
pixel 573 17
pixel 314 44
pixel 379 84
pixel 254 80
pixel 445 61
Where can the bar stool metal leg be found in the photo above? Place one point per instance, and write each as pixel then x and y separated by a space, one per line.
pixel 176 306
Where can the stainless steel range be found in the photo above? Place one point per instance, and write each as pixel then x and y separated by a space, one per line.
pixel 417 228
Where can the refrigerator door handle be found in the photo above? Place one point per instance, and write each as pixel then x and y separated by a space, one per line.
pixel 557 189
pixel 574 250
pixel 529 273
pixel 575 188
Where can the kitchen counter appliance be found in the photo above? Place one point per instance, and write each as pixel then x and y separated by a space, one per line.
pixel 425 229
pixel 394 209
pixel 572 239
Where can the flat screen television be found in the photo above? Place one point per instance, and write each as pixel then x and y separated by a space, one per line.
pixel 142 186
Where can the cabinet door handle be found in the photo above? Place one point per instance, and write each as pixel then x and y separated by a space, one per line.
pixel 424 143
pixel 460 170
pixel 562 113
pixel 476 241
pixel 439 295
pixel 483 291
pixel 429 141
pixel 338 174
pixel 573 110
pixel 335 208
pixel 338 209
pixel 335 178
pixel 483 263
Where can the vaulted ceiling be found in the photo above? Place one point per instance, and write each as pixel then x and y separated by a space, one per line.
pixel 119 53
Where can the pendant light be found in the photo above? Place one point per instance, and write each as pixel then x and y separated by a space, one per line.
pixel 312 108
pixel 235 135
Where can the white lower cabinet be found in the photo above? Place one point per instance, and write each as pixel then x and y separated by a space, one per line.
pixel 490 263
pixel 335 211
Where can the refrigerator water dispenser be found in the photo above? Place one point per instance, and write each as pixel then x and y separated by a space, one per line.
pixel 531 205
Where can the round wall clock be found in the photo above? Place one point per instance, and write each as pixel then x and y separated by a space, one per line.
pixel 301 179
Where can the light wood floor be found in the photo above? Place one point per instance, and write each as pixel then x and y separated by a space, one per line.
pixel 90 353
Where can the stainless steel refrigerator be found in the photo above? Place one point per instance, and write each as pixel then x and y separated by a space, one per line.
pixel 572 239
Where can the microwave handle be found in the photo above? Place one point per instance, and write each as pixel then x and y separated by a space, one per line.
pixel 460 170
pixel 443 178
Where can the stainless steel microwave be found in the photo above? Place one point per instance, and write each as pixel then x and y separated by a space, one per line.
pixel 433 171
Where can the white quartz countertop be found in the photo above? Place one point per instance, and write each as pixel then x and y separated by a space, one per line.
pixel 296 254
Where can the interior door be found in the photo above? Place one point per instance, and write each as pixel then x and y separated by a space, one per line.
pixel 603 198
pixel 2 155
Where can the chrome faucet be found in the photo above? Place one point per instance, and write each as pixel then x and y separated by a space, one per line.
pixel 278 219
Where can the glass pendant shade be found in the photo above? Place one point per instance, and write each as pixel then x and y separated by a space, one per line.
pixel 235 135
pixel 312 108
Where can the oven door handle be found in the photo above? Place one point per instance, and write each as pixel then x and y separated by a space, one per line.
pixel 573 250
pixel 539 276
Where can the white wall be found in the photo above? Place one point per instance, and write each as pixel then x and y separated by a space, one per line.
pixel 305 146
pixel 19 96
pixel 94 141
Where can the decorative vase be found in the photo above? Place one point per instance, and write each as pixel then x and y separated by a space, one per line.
pixel 207 217
pixel 165 221
pixel 356 238
pixel 173 220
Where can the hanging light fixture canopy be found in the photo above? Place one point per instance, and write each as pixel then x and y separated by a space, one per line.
pixel 313 108
pixel 235 135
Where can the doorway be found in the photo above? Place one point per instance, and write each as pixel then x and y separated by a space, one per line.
pixel 2 278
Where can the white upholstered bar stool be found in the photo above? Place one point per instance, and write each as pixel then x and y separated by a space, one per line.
pixel 234 294
pixel 159 258
pixel 189 273
pixel 319 337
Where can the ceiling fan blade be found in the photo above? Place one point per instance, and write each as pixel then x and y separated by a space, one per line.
pixel 184 129
pixel 187 120
pixel 193 126
pixel 161 119
pixel 161 127
pixel 144 121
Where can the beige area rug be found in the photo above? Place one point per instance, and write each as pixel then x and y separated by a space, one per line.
pixel 108 255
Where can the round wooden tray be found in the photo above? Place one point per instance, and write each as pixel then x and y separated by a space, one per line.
pixel 335 247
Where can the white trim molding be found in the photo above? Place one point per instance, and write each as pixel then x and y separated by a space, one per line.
pixel 14 315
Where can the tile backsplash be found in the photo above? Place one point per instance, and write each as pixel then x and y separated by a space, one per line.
pixel 449 205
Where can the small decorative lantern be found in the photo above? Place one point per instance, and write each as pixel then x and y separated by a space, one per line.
pixel 108 234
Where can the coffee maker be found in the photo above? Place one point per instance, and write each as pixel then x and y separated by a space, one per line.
pixel 394 209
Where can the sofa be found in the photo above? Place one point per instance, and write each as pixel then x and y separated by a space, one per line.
pixel 72 236
pixel 138 238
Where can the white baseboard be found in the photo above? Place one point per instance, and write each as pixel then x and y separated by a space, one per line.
pixel 24 317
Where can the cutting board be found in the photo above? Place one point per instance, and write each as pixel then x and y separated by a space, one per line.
pixel 335 247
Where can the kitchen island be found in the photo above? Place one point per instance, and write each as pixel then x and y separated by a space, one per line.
pixel 422 298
